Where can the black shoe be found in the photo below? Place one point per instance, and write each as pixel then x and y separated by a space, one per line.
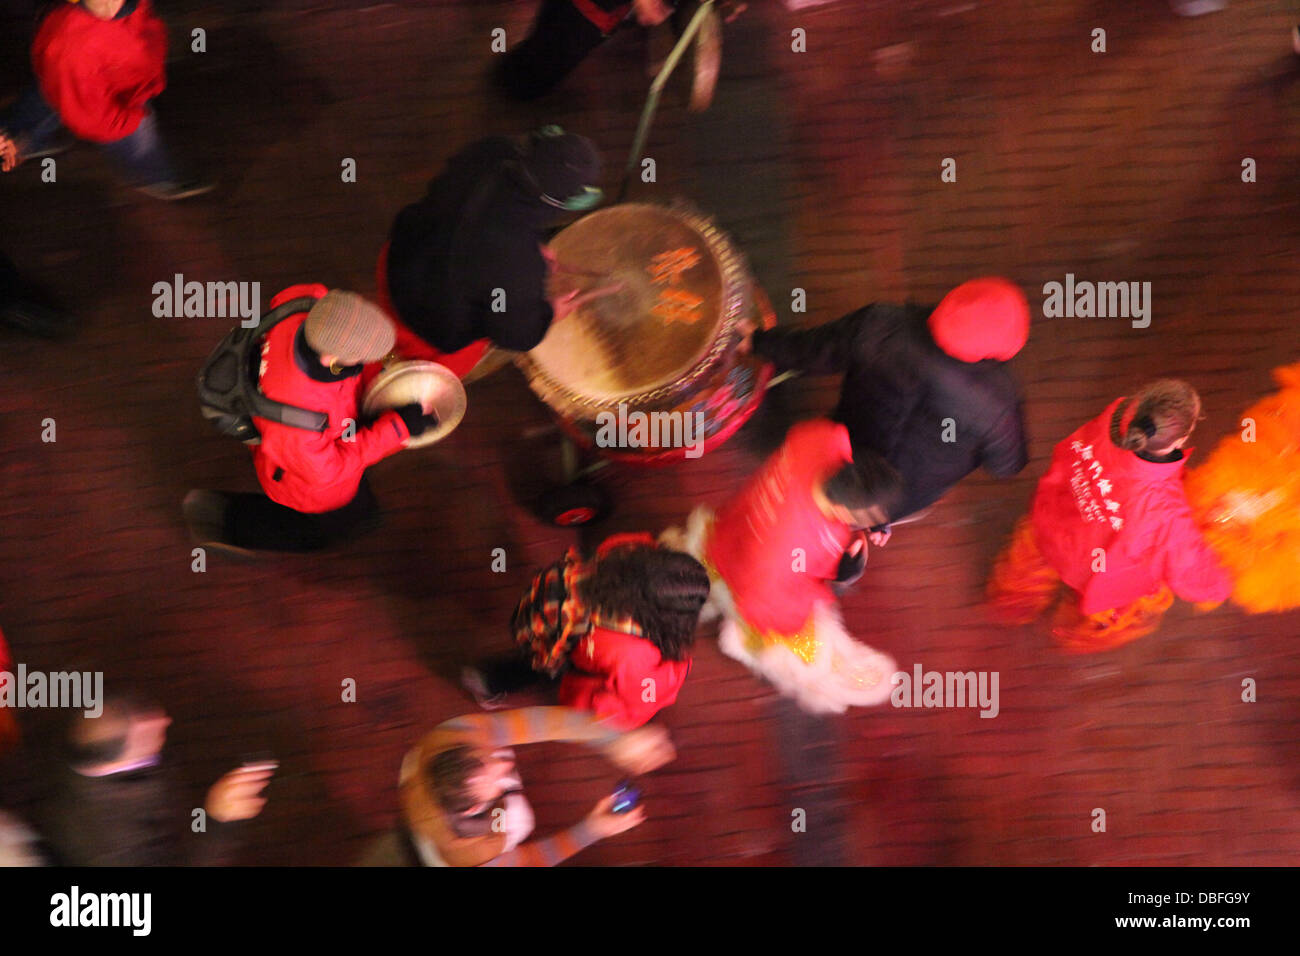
pixel 38 318
pixel 170 192
pixel 56 147
pixel 472 679
pixel 205 517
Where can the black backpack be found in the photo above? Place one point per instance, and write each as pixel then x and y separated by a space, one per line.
pixel 228 389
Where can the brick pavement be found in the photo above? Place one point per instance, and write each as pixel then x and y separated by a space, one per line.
pixel 825 167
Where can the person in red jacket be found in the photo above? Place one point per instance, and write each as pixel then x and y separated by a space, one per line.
pixel 1111 520
pixel 616 631
pixel 314 483
pixel 98 64
pixel 8 724
pixel 774 552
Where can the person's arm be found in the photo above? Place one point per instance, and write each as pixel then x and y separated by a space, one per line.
pixel 549 851
pixel 614 696
pixel 527 313
pixel 525 725
pixel 1191 568
pixel 1006 450
pixel 825 349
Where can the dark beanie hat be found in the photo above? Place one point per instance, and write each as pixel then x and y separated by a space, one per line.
pixel 982 319
pixel 562 163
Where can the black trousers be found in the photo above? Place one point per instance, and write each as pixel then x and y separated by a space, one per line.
pixel 255 521
pixel 559 40
pixel 511 672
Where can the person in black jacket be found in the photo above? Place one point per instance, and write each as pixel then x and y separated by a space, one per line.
pixel 563 35
pixel 116 804
pixel 927 389
pixel 468 263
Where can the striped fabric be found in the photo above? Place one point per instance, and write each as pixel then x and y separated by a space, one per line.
pixel 551 617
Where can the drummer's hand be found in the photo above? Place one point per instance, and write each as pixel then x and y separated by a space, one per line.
pixel 879 538
pixel 549 255
pixel 415 418
pixel 650 13
pixel 732 10
pixel 565 304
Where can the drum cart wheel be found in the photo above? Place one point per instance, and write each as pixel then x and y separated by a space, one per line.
pixel 578 501
pixel 569 506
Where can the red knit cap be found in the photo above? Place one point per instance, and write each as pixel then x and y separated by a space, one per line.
pixel 982 319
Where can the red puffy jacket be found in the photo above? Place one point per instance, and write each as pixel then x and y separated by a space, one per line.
pixel 755 536
pixel 304 470
pixel 608 675
pixel 8 725
pixel 1097 495
pixel 99 75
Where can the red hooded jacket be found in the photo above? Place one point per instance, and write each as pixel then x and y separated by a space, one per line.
pixel 99 75
pixel 608 668
pixel 608 673
pixel 8 725
pixel 301 469
pixel 755 535
pixel 1097 495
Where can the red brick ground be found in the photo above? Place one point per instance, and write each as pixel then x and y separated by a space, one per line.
pixel 825 167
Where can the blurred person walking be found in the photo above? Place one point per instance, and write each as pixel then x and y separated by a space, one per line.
pixel 315 489
pixel 98 66
pixel 563 35
pixel 1111 520
pixel 927 388
pixel 115 803
pixel 774 552
pixel 9 733
pixel 614 631
pixel 463 802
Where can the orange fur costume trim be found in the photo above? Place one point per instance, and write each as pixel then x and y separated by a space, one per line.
pixel 1247 499
pixel 1023 585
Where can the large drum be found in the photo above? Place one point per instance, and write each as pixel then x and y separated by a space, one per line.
pixel 647 368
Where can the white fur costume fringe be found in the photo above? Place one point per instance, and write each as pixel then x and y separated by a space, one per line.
pixel 845 673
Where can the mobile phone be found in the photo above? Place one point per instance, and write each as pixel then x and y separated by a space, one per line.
pixel 625 797
pixel 261 760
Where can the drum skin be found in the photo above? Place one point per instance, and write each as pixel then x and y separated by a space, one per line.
pixel 663 339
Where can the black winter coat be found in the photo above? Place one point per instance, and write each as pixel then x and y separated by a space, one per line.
pixel 903 395
pixel 476 231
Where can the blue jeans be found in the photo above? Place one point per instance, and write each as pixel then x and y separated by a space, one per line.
pixel 141 158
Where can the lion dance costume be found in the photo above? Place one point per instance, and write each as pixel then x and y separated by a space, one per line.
pixel 1118 531
pixel 771 554
pixel 1247 497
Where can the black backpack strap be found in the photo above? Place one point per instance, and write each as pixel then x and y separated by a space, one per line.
pixel 268 408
